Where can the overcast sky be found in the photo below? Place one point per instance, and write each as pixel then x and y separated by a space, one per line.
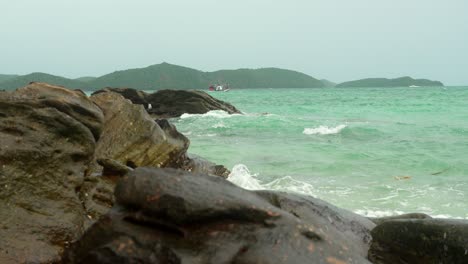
pixel 338 40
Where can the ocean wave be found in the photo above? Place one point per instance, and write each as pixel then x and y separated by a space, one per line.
pixel 241 176
pixel 213 113
pixel 323 130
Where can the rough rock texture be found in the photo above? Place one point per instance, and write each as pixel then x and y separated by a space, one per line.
pixel 47 139
pixel 420 241
pixel 380 220
pixel 136 96
pixel 73 103
pixel 173 103
pixel 170 216
pixel 197 164
pixel 133 138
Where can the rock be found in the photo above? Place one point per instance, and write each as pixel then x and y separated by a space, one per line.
pixel 380 220
pixel 73 103
pixel 170 216
pixel 136 96
pixel 47 138
pixel 173 103
pixel 420 241
pixel 197 164
pixel 323 214
pixel 131 137
pixel 113 167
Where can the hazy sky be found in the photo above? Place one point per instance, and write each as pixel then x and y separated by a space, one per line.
pixel 334 39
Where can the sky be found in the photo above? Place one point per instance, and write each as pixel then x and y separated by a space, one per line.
pixel 339 40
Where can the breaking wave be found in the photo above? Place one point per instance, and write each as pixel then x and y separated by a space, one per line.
pixel 323 130
pixel 241 176
pixel 213 113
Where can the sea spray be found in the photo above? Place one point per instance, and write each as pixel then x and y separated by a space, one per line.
pixel 241 176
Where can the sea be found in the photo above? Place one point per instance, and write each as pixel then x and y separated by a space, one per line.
pixel 375 151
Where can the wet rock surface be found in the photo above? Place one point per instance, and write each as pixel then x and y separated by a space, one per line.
pixel 420 241
pixel 51 142
pixel 47 139
pixel 380 220
pixel 197 164
pixel 133 138
pixel 170 216
pixel 173 103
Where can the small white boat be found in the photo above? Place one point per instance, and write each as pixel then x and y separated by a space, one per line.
pixel 219 88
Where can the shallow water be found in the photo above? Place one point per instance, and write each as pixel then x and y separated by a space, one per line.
pixel 376 151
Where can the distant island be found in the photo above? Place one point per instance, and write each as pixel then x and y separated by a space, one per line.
pixel 383 82
pixel 169 76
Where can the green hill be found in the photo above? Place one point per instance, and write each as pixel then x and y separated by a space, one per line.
pixel 6 77
pixel 85 79
pixel 169 76
pixel 383 82
pixel 23 80
pixel 263 78
pixel 327 83
pixel 159 76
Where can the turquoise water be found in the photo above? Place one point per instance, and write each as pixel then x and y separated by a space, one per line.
pixel 375 151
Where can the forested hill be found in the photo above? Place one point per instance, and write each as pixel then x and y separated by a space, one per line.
pixel 169 76
pixel 383 82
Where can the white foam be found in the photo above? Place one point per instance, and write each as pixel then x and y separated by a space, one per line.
pixel 323 130
pixel 241 176
pixel 385 213
pixel 219 125
pixel 378 213
pixel 213 113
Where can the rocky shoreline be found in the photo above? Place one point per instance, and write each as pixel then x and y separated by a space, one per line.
pixel 107 179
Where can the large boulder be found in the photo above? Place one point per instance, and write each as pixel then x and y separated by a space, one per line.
pixel 47 139
pixel 171 216
pixel 420 241
pixel 133 138
pixel 173 103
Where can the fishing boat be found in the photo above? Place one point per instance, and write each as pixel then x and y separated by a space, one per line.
pixel 219 88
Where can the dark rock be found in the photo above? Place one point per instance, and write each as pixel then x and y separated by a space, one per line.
pixel 174 103
pixel 169 216
pixel 323 214
pixel 47 140
pixel 113 167
pixel 136 96
pixel 197 164
pixel 380 220
pixel 73 103
pixel 420 241
pixel 131 137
